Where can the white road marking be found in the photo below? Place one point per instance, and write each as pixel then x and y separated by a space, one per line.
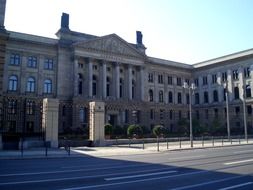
pixel 207 183
pixel 139 175
pixel 187 157
pixel 238 162
pixel 134 181
pixel 236 186
pixel 243 151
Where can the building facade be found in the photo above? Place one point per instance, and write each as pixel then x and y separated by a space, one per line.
pixel 78 68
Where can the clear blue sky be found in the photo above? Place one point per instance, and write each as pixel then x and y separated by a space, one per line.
pixel 187 31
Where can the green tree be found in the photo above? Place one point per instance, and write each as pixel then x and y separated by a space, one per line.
pixel 108 129
pixel 133 130
pixel 183 125
pixel 159 130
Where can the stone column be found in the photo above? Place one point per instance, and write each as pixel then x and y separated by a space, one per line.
pixel 200 90
pixel 90 74
pixel 104 80
pixel 241 83
pixel 50 120
pixel 220 87
pixel 142 83
pixel 117 80
pixel 209 83
pixel 97 123
pixel 229 85
pixel 76 77
pixel 130 82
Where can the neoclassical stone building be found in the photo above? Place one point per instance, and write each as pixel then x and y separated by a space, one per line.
pixel 77 68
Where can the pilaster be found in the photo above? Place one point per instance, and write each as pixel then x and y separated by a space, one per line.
pixel 90 79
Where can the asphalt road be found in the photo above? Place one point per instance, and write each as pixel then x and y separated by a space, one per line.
pixel 221 168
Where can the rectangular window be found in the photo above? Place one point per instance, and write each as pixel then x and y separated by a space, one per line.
pixel 32 62
pixel 196 81
pixel 216 112
pixel 152 114
pixel 237 110
pixel 204 80
pixel 249 110
pixel 150 77
pixel 160 79
pixel 235 74
pixel 214 79
pixel 206 114
pixel 224 76
pixel 187 81
pixel 247 72
pixel 179 81
pixel 48 64
pixel 170 80
pixel 15 59
pixel 179 98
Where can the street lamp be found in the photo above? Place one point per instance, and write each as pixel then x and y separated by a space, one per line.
pixel 228 122
pixel 244 112
pixel 191 89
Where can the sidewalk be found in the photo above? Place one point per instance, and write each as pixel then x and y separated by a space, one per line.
pixel 115 150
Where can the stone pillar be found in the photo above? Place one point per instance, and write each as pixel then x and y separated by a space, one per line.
pixel 90 75
pixel 117 80
pixel 76 77
pixel 229 85
pixel 50 120
pixel 97 123
pixel 129 82
pixel 142 83
pixel 200 90
pixel 104 80
pixel 210 92
pixel 241 83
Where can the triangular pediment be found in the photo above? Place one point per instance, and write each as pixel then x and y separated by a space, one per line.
pixel 112 44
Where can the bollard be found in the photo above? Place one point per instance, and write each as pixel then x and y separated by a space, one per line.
pixel 180 143
pixel 239 139
pixel 231 140
pixel 143 144
pixel 222 141
pixel 69 150
pixel 22 147
pixel 129 143
pixel 213 140
pixel 167 143
pixel 157 144
pixel 46 151
pixel 202 141
pixel 247 140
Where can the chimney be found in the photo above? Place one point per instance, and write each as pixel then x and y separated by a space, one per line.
pixel 2 13
pixel 65 21
pixel 139 38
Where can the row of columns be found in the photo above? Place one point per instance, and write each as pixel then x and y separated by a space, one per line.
pixel 128 77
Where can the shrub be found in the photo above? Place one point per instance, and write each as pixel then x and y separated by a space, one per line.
pixel 134 130
pixel 159 130
pixel 108 129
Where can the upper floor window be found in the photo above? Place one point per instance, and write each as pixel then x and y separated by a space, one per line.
pixel 13 83
pixel 224 76
pixel 160 96
pixel 12 106
pixel 179 98
pixel 30 85
pixel 248 91
pixel 170 80
pixel 32 61
pixel 179 81
pixel 30 107
pixel 196 81
pixel 215 96
pixel 48 64
pixel 206 99
pixel 197 98
pixel 236 92
pixel 214 79
pixel 47 86
pixel 247 72
pixel 15 59
pixel 235 74
pixel 204 80
pixel 160 79
pixel 170 97
pixel 151 97
pixel 150 77
pixel 80 83
pixel 187 81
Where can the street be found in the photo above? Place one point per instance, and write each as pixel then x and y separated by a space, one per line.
pixel 221 168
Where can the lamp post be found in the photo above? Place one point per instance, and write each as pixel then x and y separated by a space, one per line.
pixel 244 112
pixel 228 122
pixel 191 89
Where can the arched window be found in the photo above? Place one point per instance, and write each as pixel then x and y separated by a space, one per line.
pixel 47 86
pixel 160 96
pixel 179 98
pixel 30 85
pixel 151 95
pixel 170 97
pixel 215 96
pixel 80 84
pixel 13 83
